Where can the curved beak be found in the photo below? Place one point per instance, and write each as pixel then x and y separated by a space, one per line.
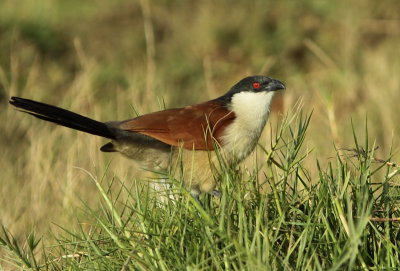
pixel 275 85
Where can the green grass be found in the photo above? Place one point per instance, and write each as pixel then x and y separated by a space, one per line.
pixel 345 219
pixel 102 59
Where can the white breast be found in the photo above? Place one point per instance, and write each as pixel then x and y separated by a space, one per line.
pixel 251 110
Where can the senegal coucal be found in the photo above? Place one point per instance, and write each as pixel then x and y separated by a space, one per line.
pixel 188 136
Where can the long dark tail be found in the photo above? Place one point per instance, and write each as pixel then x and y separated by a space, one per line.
pixel 62 117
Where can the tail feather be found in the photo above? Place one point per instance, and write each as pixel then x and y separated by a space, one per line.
pixel 62 117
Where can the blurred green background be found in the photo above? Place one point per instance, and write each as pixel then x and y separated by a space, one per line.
pixel 102 58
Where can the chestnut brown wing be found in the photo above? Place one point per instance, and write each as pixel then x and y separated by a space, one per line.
pixel 192 127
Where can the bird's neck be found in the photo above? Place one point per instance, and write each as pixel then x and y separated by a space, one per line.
pixel 251 111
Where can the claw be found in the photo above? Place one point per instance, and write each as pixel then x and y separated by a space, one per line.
pixel 215 193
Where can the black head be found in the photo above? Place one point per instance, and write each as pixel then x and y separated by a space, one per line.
pixel 256 83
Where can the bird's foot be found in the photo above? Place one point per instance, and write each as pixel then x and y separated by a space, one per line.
pixel 195 195
pixel 215 193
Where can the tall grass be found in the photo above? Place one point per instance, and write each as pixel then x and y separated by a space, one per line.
pixel 348 219
pixel 104 59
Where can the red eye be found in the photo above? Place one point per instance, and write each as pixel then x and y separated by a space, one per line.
pixel 256 85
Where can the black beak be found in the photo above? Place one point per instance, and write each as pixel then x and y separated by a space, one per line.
pixel 275 85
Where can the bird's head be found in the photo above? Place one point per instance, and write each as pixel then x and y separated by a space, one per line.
pixel 256 84
pixel 253 90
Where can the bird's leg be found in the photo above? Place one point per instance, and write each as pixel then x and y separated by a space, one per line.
pixel 215 193
pixel 195 194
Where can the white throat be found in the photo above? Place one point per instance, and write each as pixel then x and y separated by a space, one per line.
pixel 251 110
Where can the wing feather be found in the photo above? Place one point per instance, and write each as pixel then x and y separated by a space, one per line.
pixel 192 127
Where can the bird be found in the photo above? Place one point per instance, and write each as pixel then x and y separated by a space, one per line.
pixel 184 140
